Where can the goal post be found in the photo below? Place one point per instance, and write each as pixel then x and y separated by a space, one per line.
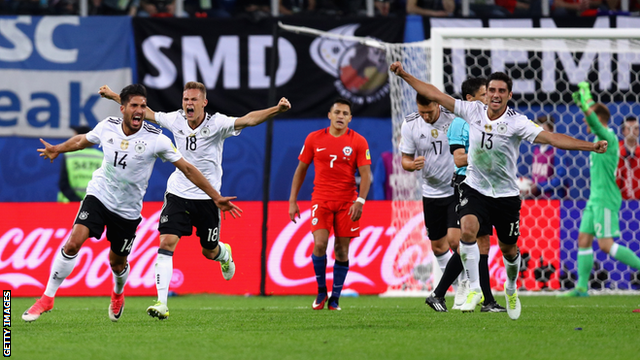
pixel 546 64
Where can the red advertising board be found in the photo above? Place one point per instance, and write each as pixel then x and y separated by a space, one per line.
pixel 32 233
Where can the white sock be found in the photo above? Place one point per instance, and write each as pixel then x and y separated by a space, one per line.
pixel 164 272
pixel 443 259
pixel 470 256
pixel 119 280
pixel 63 265
pixel 223 256
pixel 512 268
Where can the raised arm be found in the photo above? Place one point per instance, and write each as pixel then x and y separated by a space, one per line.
pixel 106 92
pixel 76 143
pixel 259 116
pixel 565 142
pixel 427 90
pixel 296 184
pixel 195 176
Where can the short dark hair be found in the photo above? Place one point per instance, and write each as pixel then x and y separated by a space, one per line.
pixel 602 111
pixel 130 91
pixel 422 100
pixel 502 77
pixel 549 120
pixel 630 118
pixel 196 86
pixel 342 101
pixel 472 85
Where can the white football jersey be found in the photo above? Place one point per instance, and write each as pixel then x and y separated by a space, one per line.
pixel 420 138
pixel 201 146
pixel 121 182
pixel 494 146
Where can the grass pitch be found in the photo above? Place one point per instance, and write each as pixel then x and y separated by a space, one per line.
pixel 368 327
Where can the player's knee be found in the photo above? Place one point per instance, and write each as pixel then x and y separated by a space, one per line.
pixel 117 266
pixel 71 248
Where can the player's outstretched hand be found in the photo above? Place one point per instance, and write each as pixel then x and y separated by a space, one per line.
pixel 106 92
pixel 48 152
pixel 396 67
pixel 293 211
pixel 225 205
pixel 601 146
pixel 284 105
pixel 355 211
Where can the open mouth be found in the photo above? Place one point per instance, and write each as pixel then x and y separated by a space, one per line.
pixel 190 111
pixel 136 120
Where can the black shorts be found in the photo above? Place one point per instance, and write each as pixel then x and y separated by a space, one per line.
pixel 439 216
pixel 121 232
pixel 180 215
pixel 503 213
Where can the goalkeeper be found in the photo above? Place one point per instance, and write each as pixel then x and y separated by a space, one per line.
pixel 600 217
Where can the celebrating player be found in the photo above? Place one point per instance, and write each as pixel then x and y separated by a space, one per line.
pixel 489 195
pixel 600 216
pixel 201 136
pixel 424 147
pixel 473 89
pixel 337 151
pixel 114 194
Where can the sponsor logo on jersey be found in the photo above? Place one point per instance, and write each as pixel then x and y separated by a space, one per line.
pixel 180 132
pixel 83 215
pixel 110 141
pixel 164 219
pixel 368 155
pixel 140 147
pixel 320 149
pixel 502 128
pixel 463 202
pixel 124 145
pixel 488 127
pixel 314 221
pixel 434 133
pixel 205 132
pixel 347 150
pixel 422 136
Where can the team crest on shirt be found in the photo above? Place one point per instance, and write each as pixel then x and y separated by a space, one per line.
pixel 205 132
pixel 488 128
pixel 314 221
pixel 502 128
pixel 83 215
pixel 434 133
pixel 124 144
pixel 140 147
pixel 347 150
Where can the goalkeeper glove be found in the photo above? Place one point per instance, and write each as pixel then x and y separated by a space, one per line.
pixel 582 97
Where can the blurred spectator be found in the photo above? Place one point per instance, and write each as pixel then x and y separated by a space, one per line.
pixel 628 174
pixel 157 8
pixel 254 10
pixel 117 7
pixel 575 7
pixel 382 172
pixel 548 172
pixel 77 169
pixel 613 6
pixel 486 8
pixel 524 8
pixel 431 8
pixel 290 7
pixel 209 8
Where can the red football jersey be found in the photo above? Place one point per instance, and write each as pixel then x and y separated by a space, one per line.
pixel 336 161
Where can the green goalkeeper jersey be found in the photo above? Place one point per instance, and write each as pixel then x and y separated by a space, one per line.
pixel 604 190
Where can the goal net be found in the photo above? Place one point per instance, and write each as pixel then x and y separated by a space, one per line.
pixel 546 65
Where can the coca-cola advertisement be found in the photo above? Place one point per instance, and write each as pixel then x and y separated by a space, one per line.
pixel 384 257
pixel 32 233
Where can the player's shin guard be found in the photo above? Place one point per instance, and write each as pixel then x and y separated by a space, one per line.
pixel 585 264
pixel 470 255
pixel 164 272
pixel 63 265
pixel 340 270
pixel 625 256
pixel 320 268
pixel 512 268
pixel 119 280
